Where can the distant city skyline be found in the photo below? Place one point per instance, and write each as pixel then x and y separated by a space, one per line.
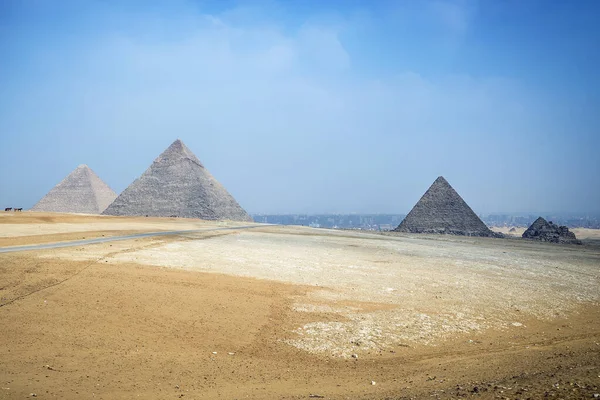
pixel 306 106
pixel 391 221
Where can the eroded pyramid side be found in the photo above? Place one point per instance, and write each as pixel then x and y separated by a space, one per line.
pixel 177 185
pixel 82 191
pixel 442 210
pixel 548 232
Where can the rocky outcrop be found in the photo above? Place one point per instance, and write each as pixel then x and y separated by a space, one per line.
pixel 177 185
pixel 82 191
pixel 442 210
pixel 548 232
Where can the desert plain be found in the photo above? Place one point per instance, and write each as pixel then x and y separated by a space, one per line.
pixel 241 310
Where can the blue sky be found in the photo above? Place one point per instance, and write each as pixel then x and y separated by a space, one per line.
pixel 309 106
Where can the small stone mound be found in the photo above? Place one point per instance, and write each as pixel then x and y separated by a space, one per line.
pixel 512 229
pixel 548 232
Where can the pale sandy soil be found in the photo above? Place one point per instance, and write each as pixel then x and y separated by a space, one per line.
pixel 580 233
pixel 26 228
pixel 302 312
pixel 33 223
pixel 584 233
pixel 426 288
pixel 506 230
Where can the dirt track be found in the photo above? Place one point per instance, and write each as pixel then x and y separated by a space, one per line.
pixel 109 321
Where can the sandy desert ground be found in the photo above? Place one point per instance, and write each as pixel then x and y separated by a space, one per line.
pixel 293 313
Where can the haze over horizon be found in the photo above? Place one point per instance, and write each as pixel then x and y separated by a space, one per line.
pixel 306 107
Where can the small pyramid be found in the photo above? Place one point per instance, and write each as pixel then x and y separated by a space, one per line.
pixel 82 191
pixel 548 232
pixel 442 210
pixel 177 185
pixel 539 225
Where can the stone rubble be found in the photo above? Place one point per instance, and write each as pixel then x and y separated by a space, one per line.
pixel 549 232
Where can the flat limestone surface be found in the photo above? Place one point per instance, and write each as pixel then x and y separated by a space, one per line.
pixel 290 312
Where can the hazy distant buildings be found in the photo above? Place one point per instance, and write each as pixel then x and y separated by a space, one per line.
pixel 371 222
pixel 386 222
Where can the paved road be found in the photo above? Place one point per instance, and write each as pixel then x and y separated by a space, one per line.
pixel 117 238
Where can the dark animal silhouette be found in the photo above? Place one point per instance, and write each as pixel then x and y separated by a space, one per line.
pixel 8 209
pixel 18 209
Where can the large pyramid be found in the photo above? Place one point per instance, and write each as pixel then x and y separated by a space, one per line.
pixel 82 191
pixel 442 210
pixel 177 184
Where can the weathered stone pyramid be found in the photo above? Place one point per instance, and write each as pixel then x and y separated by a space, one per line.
pixel 549 232
pixel 177 185
pixel 442 210
pixel 82 191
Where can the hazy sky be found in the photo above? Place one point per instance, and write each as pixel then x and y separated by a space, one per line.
pixel 309 106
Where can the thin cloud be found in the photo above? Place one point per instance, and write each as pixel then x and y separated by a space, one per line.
pixel 454 15
pixel 283 116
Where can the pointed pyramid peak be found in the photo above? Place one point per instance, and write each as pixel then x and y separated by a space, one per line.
pixel 538 225
pixel 177 151
pixel 177 145
pixel 540 221
pixel 441 179
pixel 442 210
pixel 82 168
